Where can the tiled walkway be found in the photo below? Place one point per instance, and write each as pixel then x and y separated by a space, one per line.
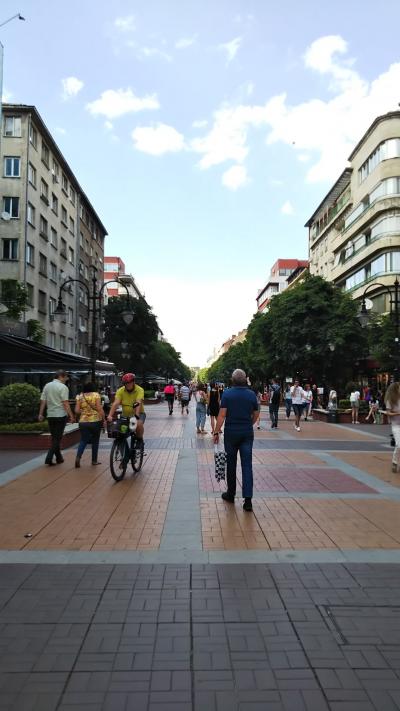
pixel 153 594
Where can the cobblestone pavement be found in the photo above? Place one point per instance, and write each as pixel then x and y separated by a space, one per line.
pixel 154 594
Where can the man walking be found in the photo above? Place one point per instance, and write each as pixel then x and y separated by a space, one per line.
pixel 274 401
pixel 55 397
pixel 185 397
pixel 239 410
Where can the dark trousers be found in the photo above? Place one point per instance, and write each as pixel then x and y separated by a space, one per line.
pixel 56 427
pixel 170 400
pixel 243 443
pixel 90 434
pixel 288 405
pixel 273 413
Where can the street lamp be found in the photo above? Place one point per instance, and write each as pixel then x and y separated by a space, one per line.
pixel 95 299
pixel 364 316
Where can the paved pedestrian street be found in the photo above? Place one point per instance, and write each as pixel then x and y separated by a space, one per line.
pixel 153 594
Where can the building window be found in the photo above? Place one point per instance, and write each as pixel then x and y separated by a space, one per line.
pixel 386 150
pixel 53 238
pixel 11 206
pixel 45 154
pixel 52 339
pixel 12 126
pixel 44 191
pixel 63 251
pixel 70 317
pixel 62 343
pixel 12 166
pixel 32 175
pixel 53 271
pixel 32 135
pixel 54 203
pixel 70 345
pixel 64 216
pixel 72 195
pixel 31 214
pixel 64 183
pixel 42 304
pixel 72 225
pixel 30 293
pixel 55 171
pixel 30 254
pixel 52 305
pixel 10 249
pixel 44 228
pixel 42 264
pixel 71 255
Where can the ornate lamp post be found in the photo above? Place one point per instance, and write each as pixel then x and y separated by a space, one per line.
pixel 364 316
pixel 95 300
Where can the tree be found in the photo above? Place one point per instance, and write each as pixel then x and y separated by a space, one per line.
pixel 202 375
pixel 382 335
pixel 165 360
pixel 235 357
pixel 36 332
pixel 14 296
pixel 311 331
pixel 138 335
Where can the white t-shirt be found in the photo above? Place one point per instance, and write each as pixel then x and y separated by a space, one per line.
pixel 307 396
pixel 355 396
pixel 297 395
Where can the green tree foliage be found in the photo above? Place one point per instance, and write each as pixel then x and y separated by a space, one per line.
pixel 15 297
pixel 222 369
pixel 202 375
pixel 139 335
pixel 146 354
pixel 382 334
pixel 36 332
pixel 295 336
pixel 19 402
pixel 166 361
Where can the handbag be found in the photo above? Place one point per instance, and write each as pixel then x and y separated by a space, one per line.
pixel 219 461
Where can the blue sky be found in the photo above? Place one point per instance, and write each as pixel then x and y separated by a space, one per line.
pixel 204 133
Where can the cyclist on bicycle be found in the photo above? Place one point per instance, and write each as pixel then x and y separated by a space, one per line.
pixel 125 397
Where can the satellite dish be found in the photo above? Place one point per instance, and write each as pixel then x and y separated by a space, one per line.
pixel 5 216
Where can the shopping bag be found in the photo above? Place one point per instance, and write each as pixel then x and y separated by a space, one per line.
pixel 219 461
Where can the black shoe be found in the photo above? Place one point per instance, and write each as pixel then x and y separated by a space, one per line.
pixel 50 464
pixel 247 506
pixel 77 462
pixel 60 461
pixel 226 496
pixel 96 462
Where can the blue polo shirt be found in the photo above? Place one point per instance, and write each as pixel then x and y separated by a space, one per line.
pixel 240 403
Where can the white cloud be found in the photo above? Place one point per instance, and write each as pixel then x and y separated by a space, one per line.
pixel 235 177
pixel 125 24
pixel 108 125
pixel 60 130
pixel 230 49
pixel 117 102
pixel 327 129
pixel 185 42
pixel 303 158
pixel 276 182
pixel 7 96
pixel 200 123
pixel 287 208
pixel 71 87
pixel 149 52
pixel 158 139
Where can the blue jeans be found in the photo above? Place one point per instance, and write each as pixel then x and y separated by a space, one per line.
pixel 201 413
pixel 288 405
pixel 90 434
pixel 239 442
pixel 273 414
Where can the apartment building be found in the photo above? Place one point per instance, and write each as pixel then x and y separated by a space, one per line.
pixel 277 281
pixel 49 231
pixel 354 235
pixel 114 268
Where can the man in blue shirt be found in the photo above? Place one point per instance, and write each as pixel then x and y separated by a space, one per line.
pixel 239 410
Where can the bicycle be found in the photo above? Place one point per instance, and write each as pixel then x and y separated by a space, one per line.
pixel 120 429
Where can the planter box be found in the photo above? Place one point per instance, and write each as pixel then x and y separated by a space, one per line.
pixel 152 400
pixel 34 440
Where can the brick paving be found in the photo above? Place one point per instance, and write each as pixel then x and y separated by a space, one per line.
pixel 302 635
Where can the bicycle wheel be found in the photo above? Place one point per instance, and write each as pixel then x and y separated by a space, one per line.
pixel 137 455
pixel 119 458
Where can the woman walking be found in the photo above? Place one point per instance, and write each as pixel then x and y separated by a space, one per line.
pixel 213 404
pixel 88 406
pixel 288 401
pixel 201 408
pixel 169 392
pixel 297 403
pixel 392 400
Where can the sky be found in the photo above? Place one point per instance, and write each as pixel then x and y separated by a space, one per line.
pixel 205 133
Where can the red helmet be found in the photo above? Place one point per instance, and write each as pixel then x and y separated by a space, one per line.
pixel 128 378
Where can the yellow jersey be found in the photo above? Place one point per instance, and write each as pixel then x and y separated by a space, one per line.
pixel 128 398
